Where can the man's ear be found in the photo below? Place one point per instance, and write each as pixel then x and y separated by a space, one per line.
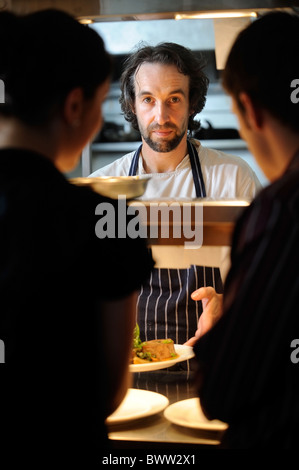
pixel 252 113
pixel 73 107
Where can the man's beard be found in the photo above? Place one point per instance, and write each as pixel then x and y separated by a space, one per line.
pixel 162 146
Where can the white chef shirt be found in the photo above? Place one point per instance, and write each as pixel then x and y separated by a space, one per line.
pixel 225 176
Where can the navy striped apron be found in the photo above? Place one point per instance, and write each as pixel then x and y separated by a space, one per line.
pixel 164 307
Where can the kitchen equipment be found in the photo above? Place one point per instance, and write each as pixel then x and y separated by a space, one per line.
pixel 129 186
pixel 210 132
pixel 126 10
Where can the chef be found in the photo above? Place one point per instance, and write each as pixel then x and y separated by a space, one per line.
pixel 163 89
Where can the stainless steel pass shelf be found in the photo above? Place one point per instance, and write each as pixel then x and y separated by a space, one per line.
pixel 188 222
pixel 131 146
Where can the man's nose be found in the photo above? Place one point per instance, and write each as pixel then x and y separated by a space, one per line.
pixel 162 115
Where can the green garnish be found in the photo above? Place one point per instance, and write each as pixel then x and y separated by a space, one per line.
pixel 145 355
pixel 136 337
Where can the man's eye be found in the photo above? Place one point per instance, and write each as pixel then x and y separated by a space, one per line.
pixel 175 99
pixel 148 99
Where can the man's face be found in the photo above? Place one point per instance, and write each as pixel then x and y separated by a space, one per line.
pixel 161 105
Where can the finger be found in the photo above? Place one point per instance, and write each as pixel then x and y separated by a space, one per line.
pixel 203 293
pixel 191 341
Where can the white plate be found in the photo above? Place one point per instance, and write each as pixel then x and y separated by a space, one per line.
pixel 138 404
pixel 183 352
pixel 189 413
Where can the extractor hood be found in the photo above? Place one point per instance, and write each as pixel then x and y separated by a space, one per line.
pixel 128 10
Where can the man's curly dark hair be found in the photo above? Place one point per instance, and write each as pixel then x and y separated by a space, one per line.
pixel 168 54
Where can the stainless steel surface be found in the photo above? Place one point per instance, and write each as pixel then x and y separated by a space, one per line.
pixel 126 147
pixel 107 10
pixel 209 221
pixel 157 429
pixel 128 186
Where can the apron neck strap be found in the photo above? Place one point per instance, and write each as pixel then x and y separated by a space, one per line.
pixel 134 163
pixel 196 170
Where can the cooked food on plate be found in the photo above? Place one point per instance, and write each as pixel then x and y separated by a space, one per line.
pixel 151 351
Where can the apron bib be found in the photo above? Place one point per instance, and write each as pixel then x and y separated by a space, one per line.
pixel 164 307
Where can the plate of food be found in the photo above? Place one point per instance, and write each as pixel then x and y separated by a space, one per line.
pixel 157 354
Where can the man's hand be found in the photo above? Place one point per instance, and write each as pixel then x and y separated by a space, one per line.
pixel 211 311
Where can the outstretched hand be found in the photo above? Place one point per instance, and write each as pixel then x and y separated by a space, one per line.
pixel 211 311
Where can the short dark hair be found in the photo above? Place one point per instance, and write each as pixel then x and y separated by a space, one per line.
pixel 44 55
pixel 263 62
pixel 169 54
